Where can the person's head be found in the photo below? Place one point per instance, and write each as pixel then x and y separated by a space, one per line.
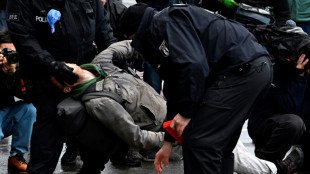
pixel 84 76
pixel 5 40
pixel 131 19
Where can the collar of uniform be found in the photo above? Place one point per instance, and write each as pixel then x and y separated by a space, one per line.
pixel 139 41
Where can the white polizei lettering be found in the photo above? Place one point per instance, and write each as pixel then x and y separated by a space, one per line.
pixel 41 19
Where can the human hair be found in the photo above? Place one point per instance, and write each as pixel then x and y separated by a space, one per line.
pixel 5 36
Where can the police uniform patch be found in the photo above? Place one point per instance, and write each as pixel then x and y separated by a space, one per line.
pixel 163 48
pixel 13 16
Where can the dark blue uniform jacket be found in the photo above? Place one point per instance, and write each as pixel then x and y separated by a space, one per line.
pixel 82 23
pixel 188 46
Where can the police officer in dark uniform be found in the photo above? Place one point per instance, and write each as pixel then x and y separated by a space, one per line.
pixel 214 70
pixel 46 32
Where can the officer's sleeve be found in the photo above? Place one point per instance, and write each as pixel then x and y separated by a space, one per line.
pixel 189 67
pixel 104 33
pixel 23 34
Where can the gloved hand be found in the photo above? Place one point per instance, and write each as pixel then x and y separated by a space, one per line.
pixel 121 61
pixel 63 73
pixel 230 3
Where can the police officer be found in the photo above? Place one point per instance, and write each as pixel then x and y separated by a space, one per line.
pixel 45 33
pixel 214 70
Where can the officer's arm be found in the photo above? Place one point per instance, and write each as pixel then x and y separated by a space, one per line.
pixel 104 33
pixel 23 34
pixel 189 69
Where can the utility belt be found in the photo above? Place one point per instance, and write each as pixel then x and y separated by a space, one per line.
pixel 246 67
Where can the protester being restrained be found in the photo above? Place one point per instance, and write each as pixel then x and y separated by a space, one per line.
pixel 136 121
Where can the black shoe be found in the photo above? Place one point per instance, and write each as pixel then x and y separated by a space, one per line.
pixel 130 160
pixel 147 155
pixel 292 162
pixel 70 155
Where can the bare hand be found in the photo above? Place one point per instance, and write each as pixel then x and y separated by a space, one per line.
pixel 7 68
pixel 162 156
pixel 302 62
pixel 179 123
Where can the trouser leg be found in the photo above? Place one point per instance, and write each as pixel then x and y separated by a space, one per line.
pixel 277 135
pixel 214 131
pixel 97 145
pixel 47 137
pixel 17 120
pixel 19 123
pixel 246 163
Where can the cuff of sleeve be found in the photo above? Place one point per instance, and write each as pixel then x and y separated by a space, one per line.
pixel 188 110
pixel 168 137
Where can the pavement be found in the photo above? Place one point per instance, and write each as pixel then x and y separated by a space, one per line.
pixel 175 167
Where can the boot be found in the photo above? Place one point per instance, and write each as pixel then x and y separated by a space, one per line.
pixel 17 163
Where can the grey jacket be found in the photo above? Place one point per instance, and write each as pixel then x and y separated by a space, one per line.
pixel 138 120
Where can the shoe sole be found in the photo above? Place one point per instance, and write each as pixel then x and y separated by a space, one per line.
pixel 10 170
pixel 145 159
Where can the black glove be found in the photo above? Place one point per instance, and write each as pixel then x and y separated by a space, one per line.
pixel 63 73
pixel 121 61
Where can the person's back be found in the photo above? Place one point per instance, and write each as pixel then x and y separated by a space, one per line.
pixel 281 9
pixel 229 8
pixel 214 34
pixel 143 103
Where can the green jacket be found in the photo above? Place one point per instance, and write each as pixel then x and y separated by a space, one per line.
pixel 300 10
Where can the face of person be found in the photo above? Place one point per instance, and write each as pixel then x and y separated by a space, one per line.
pixel 7 45
pixel 67 87
pixel 76 68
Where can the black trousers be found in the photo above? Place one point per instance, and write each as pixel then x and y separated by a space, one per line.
pixel 273 136
pixel 47 137
pixel 97 145
pixel 213 132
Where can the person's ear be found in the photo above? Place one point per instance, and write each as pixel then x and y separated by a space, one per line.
pixel 67 89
